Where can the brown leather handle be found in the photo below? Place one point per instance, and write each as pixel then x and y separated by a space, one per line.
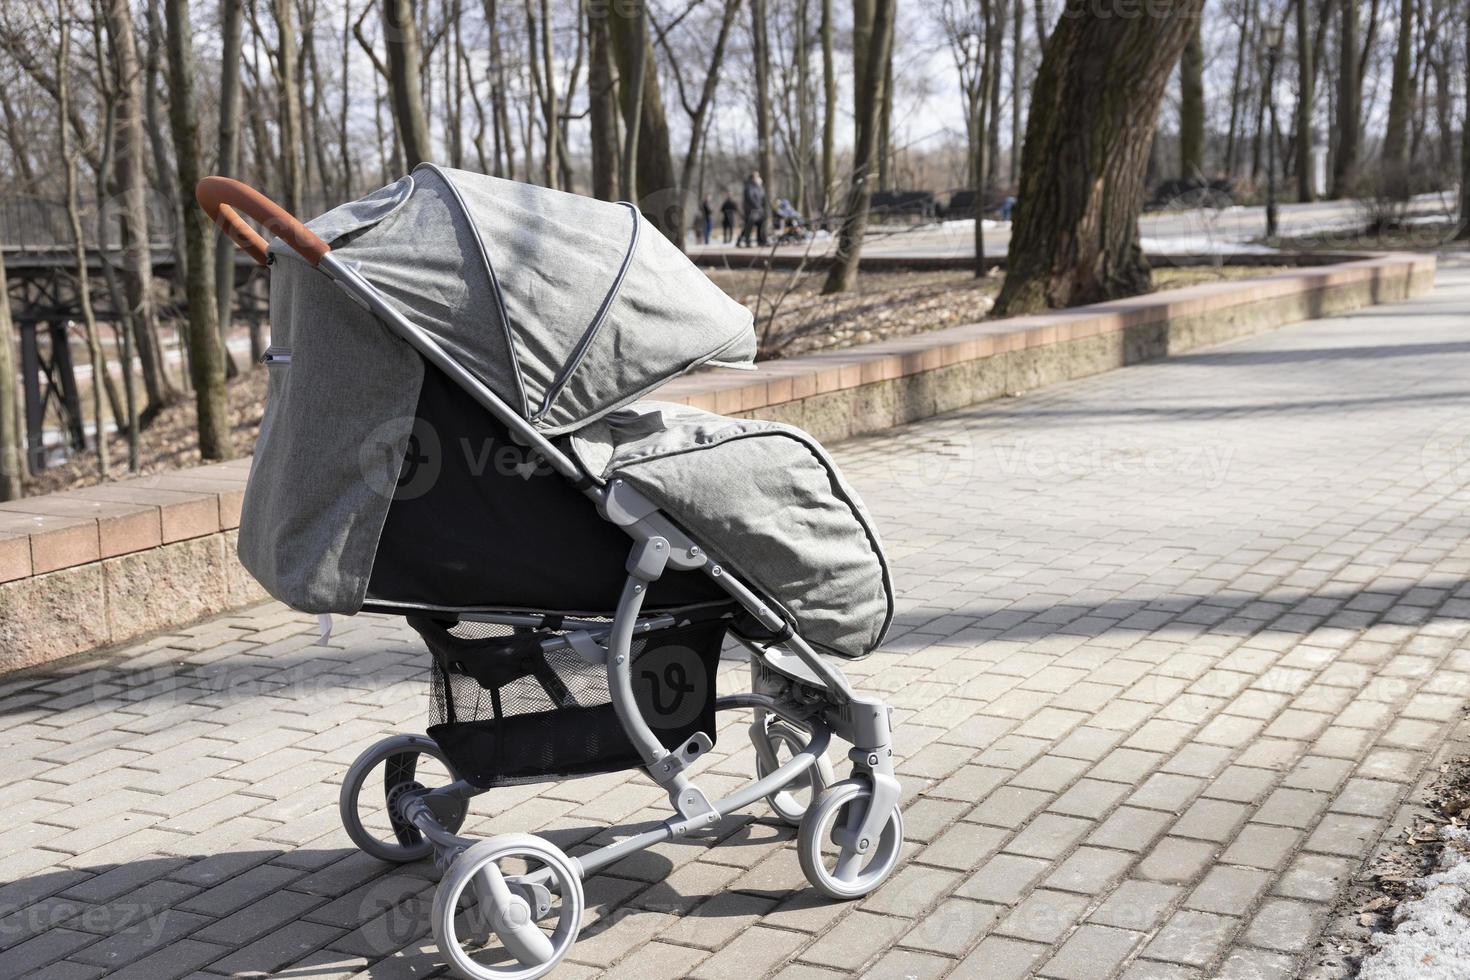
pixel 224 200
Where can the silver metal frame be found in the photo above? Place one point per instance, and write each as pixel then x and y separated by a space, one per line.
pixel 793 681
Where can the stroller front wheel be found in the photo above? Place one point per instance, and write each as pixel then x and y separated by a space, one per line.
pixel 838 865
pixel 791 803
pixel 399 757
pixel 502 889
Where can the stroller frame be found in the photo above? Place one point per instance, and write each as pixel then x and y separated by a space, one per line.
pixel 800 702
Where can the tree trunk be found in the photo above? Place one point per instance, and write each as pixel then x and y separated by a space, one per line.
pixel 318 118
pixel 1349 104
pixel 829 113
pixel 228 162
pixel 131 179
pixel 292 142
pixel 885 129
pixel 1094 107
pixel 499 113
pixel 629 29
pixel 344 147
pixel 543 85
pixel 995 33
pixel 126 411
pixel 101 379
pixel 1400 106
pixel 868 108
pixel 12 460
pixel 1237 89
pixel 1192 107
pixel 802 170
pixel 980 124
pixel 760 53
pixel 1018 60
pixel 401 34
pixel 1464 231
pixel 648 162
pixel 602 104
pixel 1306 92
pixel 162 174
pixel 206 365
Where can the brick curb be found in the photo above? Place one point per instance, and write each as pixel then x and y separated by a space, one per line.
pixel 102 565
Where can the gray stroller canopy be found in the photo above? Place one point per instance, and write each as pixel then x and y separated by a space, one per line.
pixel 565 306
pixel 568 309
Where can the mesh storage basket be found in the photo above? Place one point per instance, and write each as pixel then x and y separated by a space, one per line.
pixel 504 710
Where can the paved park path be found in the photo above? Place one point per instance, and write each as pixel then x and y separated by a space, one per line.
pixel 1174 643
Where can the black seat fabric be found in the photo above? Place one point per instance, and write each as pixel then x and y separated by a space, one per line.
pixel 477 523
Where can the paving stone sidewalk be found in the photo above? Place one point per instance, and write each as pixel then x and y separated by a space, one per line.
pixel 1173 643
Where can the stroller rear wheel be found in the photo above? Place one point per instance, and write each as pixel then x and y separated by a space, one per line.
pixel 834 861
pixel 502 889
pixel 380 832
pixel 775 744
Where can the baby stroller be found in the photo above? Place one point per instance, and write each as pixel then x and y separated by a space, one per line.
pixel 452 434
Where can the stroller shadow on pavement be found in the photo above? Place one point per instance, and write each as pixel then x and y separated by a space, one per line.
pixel 304 912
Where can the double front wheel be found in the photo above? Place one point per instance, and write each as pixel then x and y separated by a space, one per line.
pixel 509 908
pixel 836 859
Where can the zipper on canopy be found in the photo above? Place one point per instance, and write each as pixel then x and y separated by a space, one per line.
pixel 588 335
pixel 276 355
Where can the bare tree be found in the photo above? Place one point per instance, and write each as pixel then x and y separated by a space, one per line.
pixel 12 460
pixel 602 103
pixel 285 65
pixel 206 363
pixel 401 35
pixel 1239 87
pixel 101 379
pixel 648 165
pixel 698 112
pixel 868 111
pixel 1400 105
pixel 1074 236
pixel 1018 60
pixel 965 26
pixel 1306 91
pixel 227 162
pixel 760 54
pixel 543 84
pixel 1192 106
pixel 131 156
pixel 1349 102
pixel 1464 231
pixel 829 112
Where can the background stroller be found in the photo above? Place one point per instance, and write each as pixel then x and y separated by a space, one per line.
pixel 573 560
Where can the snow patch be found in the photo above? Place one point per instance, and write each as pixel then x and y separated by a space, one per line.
pixel 1431 937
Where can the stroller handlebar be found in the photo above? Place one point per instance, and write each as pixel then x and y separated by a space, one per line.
pixel 224 200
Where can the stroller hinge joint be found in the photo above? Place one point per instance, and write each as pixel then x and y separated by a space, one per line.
pixel 648 559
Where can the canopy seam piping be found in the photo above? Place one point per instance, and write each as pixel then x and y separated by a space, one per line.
pixel 510 343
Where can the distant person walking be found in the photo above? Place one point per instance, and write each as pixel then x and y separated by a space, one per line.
pixel 706 220
pixel 754 201
pixel 728 210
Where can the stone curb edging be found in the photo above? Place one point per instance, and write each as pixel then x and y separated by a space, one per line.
pixel 103 565
pixel 840 393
